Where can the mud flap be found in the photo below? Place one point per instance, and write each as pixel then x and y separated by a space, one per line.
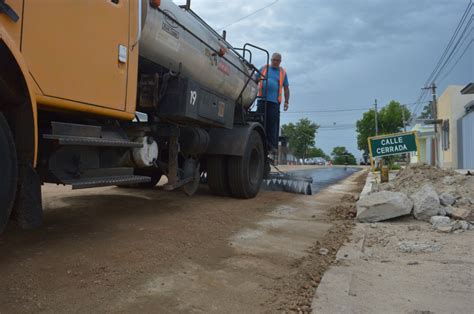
pixel 28 209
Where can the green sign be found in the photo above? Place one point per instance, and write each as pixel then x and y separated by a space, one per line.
pixel 392 144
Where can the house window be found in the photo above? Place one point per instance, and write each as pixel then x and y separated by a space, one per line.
pixel 445 134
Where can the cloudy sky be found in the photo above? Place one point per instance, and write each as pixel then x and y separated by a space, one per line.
pixel 343 54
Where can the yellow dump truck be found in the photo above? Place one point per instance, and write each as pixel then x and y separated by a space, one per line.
pixel 120 92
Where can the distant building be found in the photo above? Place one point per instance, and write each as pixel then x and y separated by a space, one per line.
pixel 455 131
pixel 426 144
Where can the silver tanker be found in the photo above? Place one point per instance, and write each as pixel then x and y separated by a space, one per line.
pixel 168 44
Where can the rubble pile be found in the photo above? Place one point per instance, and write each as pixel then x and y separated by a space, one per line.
pixel 444 198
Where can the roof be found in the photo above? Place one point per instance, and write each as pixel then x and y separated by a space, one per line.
pixel 468 89
pixel 422 127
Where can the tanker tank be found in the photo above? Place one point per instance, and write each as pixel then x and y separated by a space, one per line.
pixel 165 41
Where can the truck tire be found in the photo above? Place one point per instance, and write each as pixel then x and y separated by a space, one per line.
pixel 246 172
pixel 8 172
pixel 217 175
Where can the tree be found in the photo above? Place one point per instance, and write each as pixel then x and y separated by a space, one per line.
pixel 317 152
pixel 390 120
pixel 426 113
pixel 301 136
pixel 342 157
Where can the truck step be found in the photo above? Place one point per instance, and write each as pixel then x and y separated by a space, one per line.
pixel 90 141
pixel 87 135
pixel 106 181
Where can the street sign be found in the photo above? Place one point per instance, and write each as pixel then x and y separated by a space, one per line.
pixel 393 144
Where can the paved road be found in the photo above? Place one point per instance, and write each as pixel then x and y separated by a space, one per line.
pixel 126 250
pixel 325 176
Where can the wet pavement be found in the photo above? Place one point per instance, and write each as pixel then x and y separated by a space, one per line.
pixel 324 177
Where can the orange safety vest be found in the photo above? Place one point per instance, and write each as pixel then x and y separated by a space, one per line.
pixel 280 88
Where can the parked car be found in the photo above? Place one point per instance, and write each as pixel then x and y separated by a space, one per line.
pixel 320 161
pixel 316 161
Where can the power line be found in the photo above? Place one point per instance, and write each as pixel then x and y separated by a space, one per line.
pixel 453 37
pixel 248 15
pixel 457 61
pixel 337 126
pixel 324 111
pixel 454 48
pixel 420 101
pixel 340 110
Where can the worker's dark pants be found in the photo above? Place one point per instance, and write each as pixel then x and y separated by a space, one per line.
pixel 272 124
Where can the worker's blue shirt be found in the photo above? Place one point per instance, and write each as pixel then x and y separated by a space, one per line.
pixel 273 75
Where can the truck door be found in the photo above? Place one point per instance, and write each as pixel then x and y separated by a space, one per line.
pixel 78 50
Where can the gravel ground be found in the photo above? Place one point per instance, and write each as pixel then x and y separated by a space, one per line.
pixel 126 250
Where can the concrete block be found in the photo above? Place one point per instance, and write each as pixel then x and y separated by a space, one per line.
pixel 439 221
pixel 460 213
pixel 383 205
pixel 447 198
pixel 426 203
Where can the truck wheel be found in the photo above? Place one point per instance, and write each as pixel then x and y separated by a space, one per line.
pixel 246 172
pixel 217 175
pixel 8 172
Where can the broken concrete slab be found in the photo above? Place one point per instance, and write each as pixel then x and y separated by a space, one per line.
pixel 441 211
pixel 444 228
pixel 460 213
pixel 418 247
pixel 426 202
pixel 447 198
pixel 383 205
pixel 463 202
pixel 453 226
pixel 460 225
pixel 448 210
pixel 439 221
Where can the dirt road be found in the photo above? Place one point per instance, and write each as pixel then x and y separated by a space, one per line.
pixel 123 250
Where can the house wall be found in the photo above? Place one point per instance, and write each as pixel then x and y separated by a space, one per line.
pixel 450 107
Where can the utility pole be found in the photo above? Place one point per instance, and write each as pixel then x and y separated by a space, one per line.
pixel 376 119
pixel 434 110
pixel 403 120
pixel 376 124
pixel 434 117
pixel 407 155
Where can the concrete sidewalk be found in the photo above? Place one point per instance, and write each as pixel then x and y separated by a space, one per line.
pixel 374 273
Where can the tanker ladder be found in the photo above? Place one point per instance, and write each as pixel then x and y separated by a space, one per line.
pixel 287 182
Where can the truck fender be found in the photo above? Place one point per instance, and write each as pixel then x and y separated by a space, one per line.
pixel 26 133
pixel 233 141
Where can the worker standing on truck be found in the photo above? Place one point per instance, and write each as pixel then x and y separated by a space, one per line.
pixel 271 91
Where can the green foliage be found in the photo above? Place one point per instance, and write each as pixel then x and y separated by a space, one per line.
pixel 390 120
pixel 301 136
pixel 342 157
pixel 317 152
pixel 426 113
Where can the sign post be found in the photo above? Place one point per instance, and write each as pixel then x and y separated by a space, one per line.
pixel 392 144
